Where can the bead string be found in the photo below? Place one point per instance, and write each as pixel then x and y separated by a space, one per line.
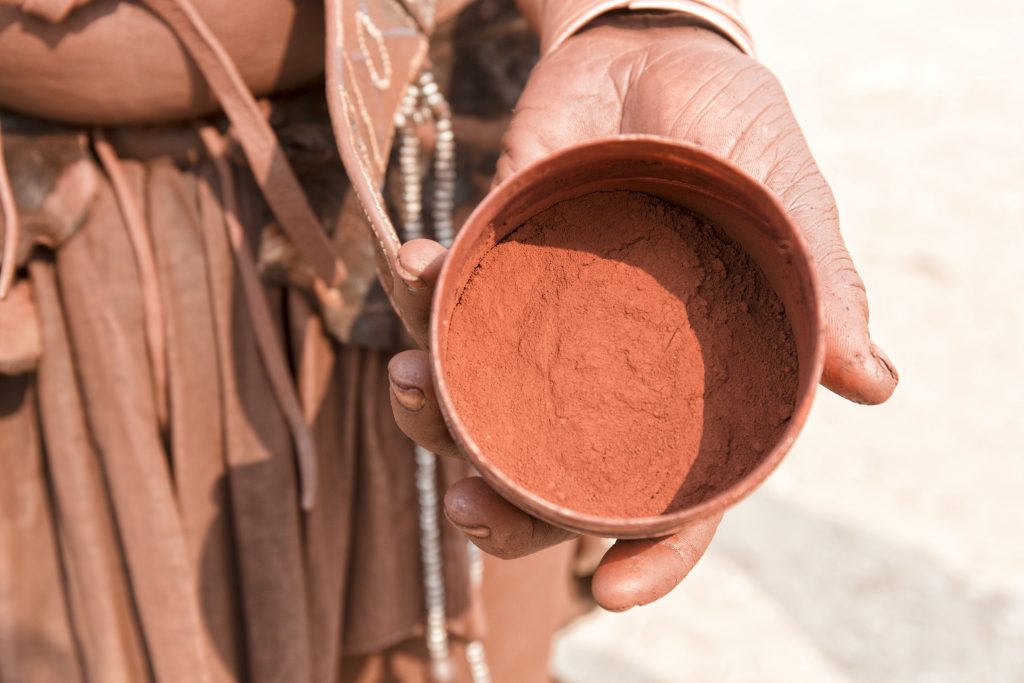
pixel 423 102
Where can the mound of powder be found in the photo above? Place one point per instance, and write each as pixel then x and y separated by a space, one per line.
pixel 619 357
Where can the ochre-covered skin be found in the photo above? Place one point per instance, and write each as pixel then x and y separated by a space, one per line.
pixel 618 357
pixel 112 62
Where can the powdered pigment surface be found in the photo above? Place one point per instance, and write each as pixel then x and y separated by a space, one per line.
pixel 621 358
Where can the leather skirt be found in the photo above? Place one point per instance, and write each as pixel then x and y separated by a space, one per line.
pixel 151 517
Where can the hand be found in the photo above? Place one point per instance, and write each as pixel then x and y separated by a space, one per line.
pixel 642 74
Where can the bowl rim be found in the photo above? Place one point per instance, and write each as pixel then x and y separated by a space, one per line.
pixel 623 527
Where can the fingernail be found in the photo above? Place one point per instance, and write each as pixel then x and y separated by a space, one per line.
pixel 474 531
pixel 884 361
pixel 409 273
pixel 410 398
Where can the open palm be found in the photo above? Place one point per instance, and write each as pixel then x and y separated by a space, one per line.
pixel 651 75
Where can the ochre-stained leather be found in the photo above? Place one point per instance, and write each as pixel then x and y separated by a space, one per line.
pixel 20 344
pixel 374 50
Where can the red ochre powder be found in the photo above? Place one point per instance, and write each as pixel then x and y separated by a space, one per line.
pixel 621 358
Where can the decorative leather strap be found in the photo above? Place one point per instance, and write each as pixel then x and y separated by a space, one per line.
pixel 267 159
pixel 557 20
pixel 374 51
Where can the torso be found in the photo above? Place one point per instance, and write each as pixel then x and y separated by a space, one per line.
pixel 113 63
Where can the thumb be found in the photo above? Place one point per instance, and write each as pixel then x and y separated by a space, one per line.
pixel 636 573
pixel 856 368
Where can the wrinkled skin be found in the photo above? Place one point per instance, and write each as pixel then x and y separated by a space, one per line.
pixel 640 74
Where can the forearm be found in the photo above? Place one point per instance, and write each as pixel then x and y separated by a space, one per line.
pixel 556 20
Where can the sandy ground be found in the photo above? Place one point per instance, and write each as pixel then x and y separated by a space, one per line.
pixel 889 547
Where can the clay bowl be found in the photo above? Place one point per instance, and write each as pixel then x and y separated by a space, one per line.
pixel 704 184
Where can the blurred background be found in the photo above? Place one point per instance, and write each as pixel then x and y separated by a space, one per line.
pixel 889 547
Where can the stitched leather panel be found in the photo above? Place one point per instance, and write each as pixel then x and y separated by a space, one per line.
pixel 374 50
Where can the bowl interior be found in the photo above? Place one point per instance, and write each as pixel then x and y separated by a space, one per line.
pixel 703 184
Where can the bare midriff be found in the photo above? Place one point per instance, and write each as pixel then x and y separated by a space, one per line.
pixel 116 63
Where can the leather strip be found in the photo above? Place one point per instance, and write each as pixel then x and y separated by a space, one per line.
pixel 12 226
pixel 101 303
pixel 21 343
pixel 152 307
pixel 269 344
pixel 267 159
pixel 95 570
pixel 361 38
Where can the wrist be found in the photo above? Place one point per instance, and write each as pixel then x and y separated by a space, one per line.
pixel 658 26
pixel 557 20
